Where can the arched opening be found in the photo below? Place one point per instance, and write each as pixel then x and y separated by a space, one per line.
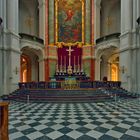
pixel 29 65
pixel 109 64
pixel 25 63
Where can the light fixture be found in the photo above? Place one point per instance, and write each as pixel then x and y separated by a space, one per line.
pixel 123 69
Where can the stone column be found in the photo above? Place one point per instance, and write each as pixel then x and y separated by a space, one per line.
pixel 138 58
pixel 46 64
pixel 138 8
pixel 51 21
pixel 109 71
pixel 41 70
pixel 2 32
pixel 126 15
pixel 97 8
pixel 3 12
pixel 42 19
pixel 134 14
pixel 125 43
pixel 137 46
pixel 97 69
pixel 87 21
pixel 12 56
pixel 12 15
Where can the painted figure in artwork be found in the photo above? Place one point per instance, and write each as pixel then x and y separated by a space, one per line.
pixel 69 21
pixel 70 14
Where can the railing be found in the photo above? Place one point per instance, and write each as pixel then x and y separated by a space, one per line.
pixel 67 85
pixel 107 37
pixel 31 37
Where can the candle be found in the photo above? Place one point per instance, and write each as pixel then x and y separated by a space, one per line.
pixel 64 60
pixel 61 60
pixel 74 61
pixel 78 61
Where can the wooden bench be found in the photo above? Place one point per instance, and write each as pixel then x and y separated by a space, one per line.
pixel 4 121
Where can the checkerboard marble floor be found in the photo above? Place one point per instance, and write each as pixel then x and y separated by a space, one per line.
pixel 75 121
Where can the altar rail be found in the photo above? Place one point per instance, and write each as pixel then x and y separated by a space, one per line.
pixel 60 84
pixel 4 121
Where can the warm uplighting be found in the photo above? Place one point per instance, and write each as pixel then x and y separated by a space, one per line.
pixel 114 72
pixel 25 69
pixel 24 75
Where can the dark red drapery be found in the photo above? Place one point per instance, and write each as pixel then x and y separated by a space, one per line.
pixel 63 57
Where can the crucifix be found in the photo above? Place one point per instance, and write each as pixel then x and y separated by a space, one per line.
pixel 69 66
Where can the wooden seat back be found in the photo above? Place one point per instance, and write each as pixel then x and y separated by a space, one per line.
pixel 4 121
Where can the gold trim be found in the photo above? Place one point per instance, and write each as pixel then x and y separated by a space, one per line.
pixel 61 44
pixel 83 21
pixel 56 20
pixel 56 26
pixel 88 45
pixel 51 45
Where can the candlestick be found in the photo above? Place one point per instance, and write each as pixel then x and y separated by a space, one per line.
pixel 74 65
pixel 65 64
pixel 78 65
pixel 61 61
pixel 78 61
pixel 57 70
pixel 61 64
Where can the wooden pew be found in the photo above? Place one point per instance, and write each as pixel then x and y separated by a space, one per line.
pixel 4 121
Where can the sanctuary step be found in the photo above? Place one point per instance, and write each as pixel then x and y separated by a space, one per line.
pixel 53 95
pixel 69 83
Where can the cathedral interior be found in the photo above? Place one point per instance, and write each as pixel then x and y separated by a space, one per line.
pixel 69 69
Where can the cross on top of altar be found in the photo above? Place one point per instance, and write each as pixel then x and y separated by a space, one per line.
pixel 69 66
pixel 69 50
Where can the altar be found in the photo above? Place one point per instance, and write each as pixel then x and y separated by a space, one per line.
pixel 69 60
pixel 78 76
pixel 70 83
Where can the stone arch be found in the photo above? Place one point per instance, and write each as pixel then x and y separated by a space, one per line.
pixel 38 50
pixel 104 59
pixel 37 62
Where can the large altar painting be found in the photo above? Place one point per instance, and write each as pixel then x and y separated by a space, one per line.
pixel 69 20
